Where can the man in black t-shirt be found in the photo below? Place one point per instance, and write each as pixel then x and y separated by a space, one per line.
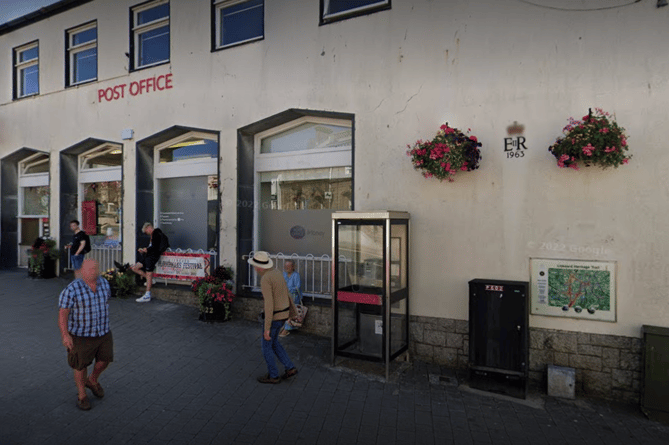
pixel 81 244
pixel 148 257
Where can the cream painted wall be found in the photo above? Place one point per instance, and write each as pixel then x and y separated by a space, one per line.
pixel 479 65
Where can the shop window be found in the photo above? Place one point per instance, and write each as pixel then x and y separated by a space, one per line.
pixel 26 70
pixel 304 174
pixel 238 21
pixel 82 54
pixel 105 225
pixel 193 149
pixel 186 185
pixel 35 201
pixel 151 33
pixel 333 10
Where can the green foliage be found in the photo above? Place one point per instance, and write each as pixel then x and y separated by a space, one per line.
pixel 121 283
pixel 214 292
pixel 448 152
pixel 40 250
pixel 596 139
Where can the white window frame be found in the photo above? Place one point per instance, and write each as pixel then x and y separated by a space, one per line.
pixel 349 12
pixel 188 167
pixel 180 169
pixel 138 30
pixel 73 50
pixel 219 5
pixel 20 66
pixel 31 180
pixel 98 174
pixel 295 160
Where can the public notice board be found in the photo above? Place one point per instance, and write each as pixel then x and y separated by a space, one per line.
pixel 573 288
pixel 183 266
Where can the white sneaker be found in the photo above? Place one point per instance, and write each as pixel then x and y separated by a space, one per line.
pixel 144 298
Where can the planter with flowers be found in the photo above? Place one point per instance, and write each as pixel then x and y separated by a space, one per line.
pixel 448 152
pixel 596 139
pixel 121 281
pixel 42 258
pixel 214 294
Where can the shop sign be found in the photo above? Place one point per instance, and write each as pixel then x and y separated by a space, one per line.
pixel 136 88
pixel 183 266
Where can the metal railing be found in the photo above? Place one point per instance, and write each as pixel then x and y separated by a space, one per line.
pixel 315 273
pixel 104 254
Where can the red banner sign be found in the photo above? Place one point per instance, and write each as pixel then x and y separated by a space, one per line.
pixel 89 217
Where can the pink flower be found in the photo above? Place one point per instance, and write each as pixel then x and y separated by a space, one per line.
pixel 449 130
pixel 574 166
pixel 473 138
pixel 588 149
pixel 625 161
pixel 563 158
pixel 624 142
pixel 609 149
pixel 604 130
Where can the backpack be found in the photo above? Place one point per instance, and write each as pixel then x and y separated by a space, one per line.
pixel 87 247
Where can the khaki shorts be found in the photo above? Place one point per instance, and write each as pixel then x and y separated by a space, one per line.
pixel 88 348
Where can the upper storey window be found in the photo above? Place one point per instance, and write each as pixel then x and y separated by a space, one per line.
pixel 26 70
pixel 333 10
pixel 238 21
pixel 150 34
pixel 82 54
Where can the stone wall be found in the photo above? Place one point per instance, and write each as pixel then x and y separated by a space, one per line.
pixel 607 366
pixel 318 321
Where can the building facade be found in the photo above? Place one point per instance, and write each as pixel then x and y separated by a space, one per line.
pixel 242 125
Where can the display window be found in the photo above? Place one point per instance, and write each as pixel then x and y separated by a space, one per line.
pixel 33 209
pixel 100 195
pixel 186 191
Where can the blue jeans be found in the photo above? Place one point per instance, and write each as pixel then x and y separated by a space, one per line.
pixel 77 260
pixel 272 347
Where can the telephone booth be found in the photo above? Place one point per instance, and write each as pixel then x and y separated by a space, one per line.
pixel 370 269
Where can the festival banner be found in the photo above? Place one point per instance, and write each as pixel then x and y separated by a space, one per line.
pixel 183 266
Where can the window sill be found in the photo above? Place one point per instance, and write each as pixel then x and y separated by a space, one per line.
pixel 233 45
pixel 153 65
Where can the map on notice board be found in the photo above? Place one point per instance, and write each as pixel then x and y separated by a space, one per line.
pixel 572 288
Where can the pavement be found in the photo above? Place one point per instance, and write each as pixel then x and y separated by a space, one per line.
pixel 177 380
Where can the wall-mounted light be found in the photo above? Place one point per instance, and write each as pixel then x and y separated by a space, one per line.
pixel 661 3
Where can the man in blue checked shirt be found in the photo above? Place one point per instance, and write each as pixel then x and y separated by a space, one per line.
pixel 83 319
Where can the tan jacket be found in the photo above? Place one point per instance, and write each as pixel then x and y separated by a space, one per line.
pixel 276 298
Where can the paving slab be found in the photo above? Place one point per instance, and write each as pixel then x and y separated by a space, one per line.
pixel 176 380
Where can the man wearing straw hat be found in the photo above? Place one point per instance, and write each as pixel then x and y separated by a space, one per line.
pixel 279 307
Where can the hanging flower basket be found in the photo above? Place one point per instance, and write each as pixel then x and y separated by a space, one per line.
pixel 448 152
pixel 596 139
